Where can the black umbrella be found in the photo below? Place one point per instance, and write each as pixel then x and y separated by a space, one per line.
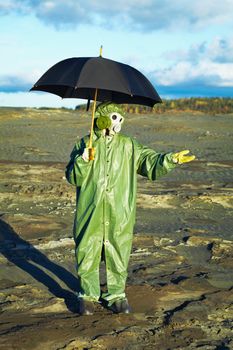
pixel 98 79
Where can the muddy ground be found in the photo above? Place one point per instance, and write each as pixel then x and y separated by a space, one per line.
pixel 180 272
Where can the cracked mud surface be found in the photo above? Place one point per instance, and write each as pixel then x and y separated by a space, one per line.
pixel 180 272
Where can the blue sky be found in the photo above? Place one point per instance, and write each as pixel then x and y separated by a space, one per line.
pixel 184 47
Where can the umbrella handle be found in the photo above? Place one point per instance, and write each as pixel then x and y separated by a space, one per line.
pixel 91 149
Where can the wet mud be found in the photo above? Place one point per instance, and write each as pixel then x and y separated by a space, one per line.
pixel 180 282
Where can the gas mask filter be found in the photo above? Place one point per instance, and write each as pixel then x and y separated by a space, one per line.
pixel 103 122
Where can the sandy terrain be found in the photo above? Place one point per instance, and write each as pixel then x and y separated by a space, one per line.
pixel 180 272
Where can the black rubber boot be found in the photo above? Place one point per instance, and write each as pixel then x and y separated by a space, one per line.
pixel 85 307
pixel 121 306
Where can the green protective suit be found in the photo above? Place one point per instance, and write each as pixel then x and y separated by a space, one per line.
pixel 106 205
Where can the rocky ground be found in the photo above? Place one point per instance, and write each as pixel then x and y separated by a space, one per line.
pixel 180 272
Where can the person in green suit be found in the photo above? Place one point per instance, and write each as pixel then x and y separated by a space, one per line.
pixel 106 204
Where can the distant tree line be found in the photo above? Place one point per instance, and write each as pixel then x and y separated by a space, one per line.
pixel 216 105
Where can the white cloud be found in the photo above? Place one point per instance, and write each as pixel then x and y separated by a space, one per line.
pixel 22 81
pixel 218 50
pixel 204 72
pixel 8 6
pixel 135 14
pixel 207 64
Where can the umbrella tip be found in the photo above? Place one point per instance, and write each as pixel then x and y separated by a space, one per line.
pixel 101 49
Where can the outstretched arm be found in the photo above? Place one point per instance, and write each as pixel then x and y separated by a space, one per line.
pixel 154 165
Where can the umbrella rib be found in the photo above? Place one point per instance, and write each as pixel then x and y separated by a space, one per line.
pixel 125 79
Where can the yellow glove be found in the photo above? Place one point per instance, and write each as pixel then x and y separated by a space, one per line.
pixel 181 157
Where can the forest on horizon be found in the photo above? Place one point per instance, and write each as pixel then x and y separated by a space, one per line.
pixel 217 105
pixel 207 105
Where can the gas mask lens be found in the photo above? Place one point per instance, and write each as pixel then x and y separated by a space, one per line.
pixel 116 119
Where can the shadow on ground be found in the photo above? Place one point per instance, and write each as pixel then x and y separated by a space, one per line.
pixel 25 256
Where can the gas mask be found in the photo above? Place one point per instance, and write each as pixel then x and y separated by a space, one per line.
pixel 112 123
pixel 116 121
pixel 110 117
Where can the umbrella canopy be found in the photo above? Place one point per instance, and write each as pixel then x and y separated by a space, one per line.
pixel 79 77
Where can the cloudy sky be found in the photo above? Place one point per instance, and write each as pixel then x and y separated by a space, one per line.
pixel 184 47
